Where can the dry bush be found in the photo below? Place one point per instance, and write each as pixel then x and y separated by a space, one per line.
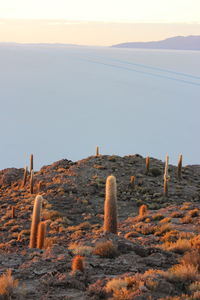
pixel 170 236
pixel 163 229
pixel 49 242
pixel 186 235
pixel 131 234
pixel 157 217
pixel 165 220
pixel 8 285
pixel 105 249
pixel 184 273
pixel 81 226
pixel 185 206
pixel 116 284
pixel 180 246
pixel 145 228
pixel 193 213
pixel 195 242
pixel 124 294
pixel 195 286
pixel 176 214
pixel 195 296
pixel 191 258
pixel 51 215
pixel 186 220
pixel 147 220
pixel 79 249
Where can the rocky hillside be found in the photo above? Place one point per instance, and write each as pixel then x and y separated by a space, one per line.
pixel 154 255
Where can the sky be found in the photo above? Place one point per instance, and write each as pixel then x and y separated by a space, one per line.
pixel 96 22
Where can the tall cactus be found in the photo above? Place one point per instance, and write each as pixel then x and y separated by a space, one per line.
pixel 31 162
pixel 166 186
pixel 35 221
pixel 166 177
pixel 110 205
pixel 179 168
pixel 25 175
pixel 166 173
pixel 31 182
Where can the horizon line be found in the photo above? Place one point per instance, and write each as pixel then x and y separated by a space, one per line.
pixel 74 22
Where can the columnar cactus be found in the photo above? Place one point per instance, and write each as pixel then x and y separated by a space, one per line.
pixel 110 205
pixel 166 177
pixel 147 164
pixel 31 162
pixel 31 182
pixel 179 169
pixel 97 150
pixel 166 166
pixel 166 186
pixel 25 175
pixel 143 210
pixel 78 264
pixel 13 212
pixel 132 182
pixel 41 235
pixel 35 221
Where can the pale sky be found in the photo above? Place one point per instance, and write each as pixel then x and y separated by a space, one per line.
pixel 96 22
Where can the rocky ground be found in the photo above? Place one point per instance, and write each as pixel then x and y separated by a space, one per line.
pixel 153 256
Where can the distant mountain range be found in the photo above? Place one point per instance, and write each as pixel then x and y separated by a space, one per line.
pixel 191 42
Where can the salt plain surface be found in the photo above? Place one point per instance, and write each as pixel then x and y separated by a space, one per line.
pixel 61 101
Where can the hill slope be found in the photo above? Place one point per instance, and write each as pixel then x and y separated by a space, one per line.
pixel 73 212
pixel 191 42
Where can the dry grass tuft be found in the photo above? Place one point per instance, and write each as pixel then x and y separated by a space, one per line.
pixel 165 220
pixel 105 249
pixel 186 220
pixel 79 249
pixel 191 258
pixel 116 284
pixel 193 213
pixel 176 214
pixel 8 285
pixel 170 236
pixel 180 246
pixel 184 273
pixel 195 242
pixel 163 229
pixel 157 217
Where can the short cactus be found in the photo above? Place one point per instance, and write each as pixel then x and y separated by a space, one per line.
pixel 132 182
pixel 41 235
pixel 35 221
pixel 143 210
pixel 97 150
pixel 147 164
pixel 110 205
pixel 78 264
pixel 13 212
